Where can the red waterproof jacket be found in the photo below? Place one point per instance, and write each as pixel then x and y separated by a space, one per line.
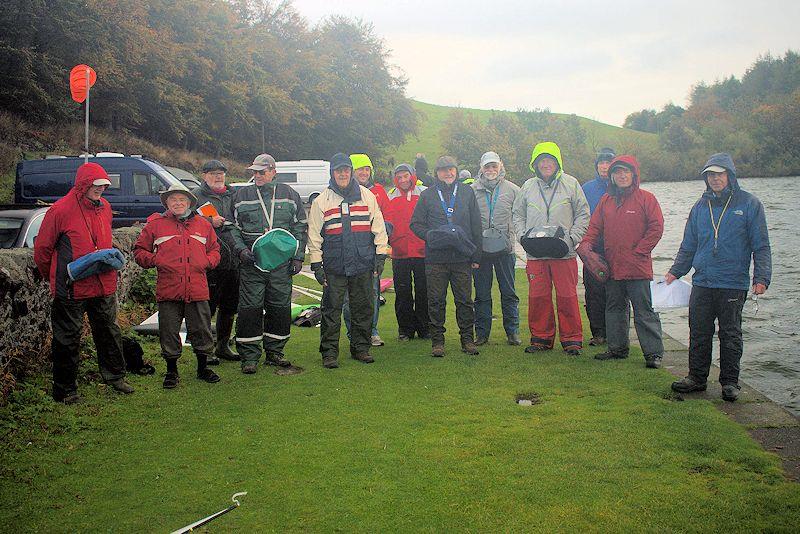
pixel 73 227
pixel 380 195
pixel 630 224
pixel 398 211
pixel 181 251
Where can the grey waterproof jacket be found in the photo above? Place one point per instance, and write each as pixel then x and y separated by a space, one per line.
pixel 502 196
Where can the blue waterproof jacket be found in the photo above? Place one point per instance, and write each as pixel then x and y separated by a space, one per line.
pixel 594 191
pixel 742 235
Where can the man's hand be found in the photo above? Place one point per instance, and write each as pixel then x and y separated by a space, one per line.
pixel 217 221
pixel 246 256
pixel 295 266
pixel 759 288
pixel 669 278
pixel 319 273
pixel 380 262
pixel 476 265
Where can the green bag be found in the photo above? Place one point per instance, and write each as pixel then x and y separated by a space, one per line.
pixel 276 246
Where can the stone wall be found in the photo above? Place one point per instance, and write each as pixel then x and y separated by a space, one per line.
pixel 25 309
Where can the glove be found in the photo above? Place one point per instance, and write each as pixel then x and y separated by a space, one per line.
pixel 380 261
pixel 246 255
pixel 295 266
pixel 319 273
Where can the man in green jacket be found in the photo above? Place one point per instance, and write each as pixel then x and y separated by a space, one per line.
pixel 265 298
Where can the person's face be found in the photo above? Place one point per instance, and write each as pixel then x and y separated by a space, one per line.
pixel 622 176
pixel 602 168
pixel 95 192
pixel 447 175
pixel 403 180
pixel 547 167
pixel 491 170
pixel 363 175
pixel 214 179
pixel 717 181
pixel 178 203
pixel 265 176
pixel 342 176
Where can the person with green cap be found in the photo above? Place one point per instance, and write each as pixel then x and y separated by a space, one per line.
pixel 265 298
pixel 551 216
pixel 347 243
pixel 181 245
pixel 213 201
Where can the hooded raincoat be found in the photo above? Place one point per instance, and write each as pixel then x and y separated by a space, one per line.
pixel 400 208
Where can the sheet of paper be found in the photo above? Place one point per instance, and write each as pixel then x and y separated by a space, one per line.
pixel 674 295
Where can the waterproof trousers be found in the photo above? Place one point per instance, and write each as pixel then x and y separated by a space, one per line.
pixel 725 305
pixel 411 297
pixel 595 297
pixel 66 318
pixel 223 288
pixel 543 275
pixel 459 277
pixel 359 290
pixel 620 296
pixel 171 314
pixel 503 267
pixel 376 289
pixel 265 312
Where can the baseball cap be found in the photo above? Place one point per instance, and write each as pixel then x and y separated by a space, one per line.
pixel 262 161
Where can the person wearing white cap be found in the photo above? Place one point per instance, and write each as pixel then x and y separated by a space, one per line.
pixel 495 195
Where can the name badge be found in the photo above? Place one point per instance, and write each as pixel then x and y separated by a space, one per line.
pixel 345 208
pixel 450 210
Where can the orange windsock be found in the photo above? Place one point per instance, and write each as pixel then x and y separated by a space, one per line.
pixel 77 82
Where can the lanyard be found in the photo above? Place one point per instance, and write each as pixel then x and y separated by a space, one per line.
pixel 271 216
pixel 717 224
pixel 491 201
pixel 552 195
pixel 448 210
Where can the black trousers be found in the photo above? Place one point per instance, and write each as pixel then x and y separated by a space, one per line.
pixel 223 288
pixel 411 296
pixel 459 276
pixel 725 306
pixel 66 318
pixel 595 303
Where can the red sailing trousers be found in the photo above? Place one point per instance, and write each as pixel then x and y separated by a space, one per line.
pixel 542 276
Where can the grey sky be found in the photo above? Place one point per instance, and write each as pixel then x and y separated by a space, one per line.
pixel 601 60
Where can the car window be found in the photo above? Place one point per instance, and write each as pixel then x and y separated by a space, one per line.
pixel 286 177
pixel 145 184
pixel 9 231
pixel 33 230
pixel 114 188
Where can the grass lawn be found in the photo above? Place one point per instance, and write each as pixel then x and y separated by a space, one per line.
pixel 409 443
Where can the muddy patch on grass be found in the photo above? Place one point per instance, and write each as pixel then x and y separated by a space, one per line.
pixel 287 371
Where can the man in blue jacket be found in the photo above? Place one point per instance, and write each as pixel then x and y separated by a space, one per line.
pixel 596 290
pixel 725 229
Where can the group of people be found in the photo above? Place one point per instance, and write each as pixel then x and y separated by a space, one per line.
pixel 439 231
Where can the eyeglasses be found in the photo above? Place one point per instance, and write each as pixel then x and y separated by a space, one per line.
pixel 265 171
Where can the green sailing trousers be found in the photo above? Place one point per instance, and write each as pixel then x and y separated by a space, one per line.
pixel 265 312
pixel 362 299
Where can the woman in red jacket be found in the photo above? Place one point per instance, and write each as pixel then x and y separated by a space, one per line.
pixel 182 246
pixel 628 220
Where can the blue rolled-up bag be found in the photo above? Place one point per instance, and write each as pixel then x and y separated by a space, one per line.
pixel 101 261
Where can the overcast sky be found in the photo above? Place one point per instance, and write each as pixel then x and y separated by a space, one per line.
pixel 601 60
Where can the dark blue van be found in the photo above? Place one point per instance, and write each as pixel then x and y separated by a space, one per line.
pixel 133 193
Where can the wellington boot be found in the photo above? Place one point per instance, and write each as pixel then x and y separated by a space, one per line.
pixel 224 328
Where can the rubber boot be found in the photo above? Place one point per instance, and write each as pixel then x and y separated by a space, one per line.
pixel 224 329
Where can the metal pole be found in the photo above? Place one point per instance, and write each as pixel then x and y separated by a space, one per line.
pixel 86 147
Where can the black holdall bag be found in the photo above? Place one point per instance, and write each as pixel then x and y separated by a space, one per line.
pixel 545 242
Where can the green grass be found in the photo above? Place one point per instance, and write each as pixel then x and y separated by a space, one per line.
pixel 433 117
pixel 407 443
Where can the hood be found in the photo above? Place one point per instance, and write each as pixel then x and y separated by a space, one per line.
pixel 548 148
pixel 630 162
pixel 404 167
pixel 352 192
pixel 361 160
pixel 87 173
pixel 605 154
pixel 421 166
pixel 726 162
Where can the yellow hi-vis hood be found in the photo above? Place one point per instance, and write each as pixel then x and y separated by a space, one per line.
pixel 551 149
pixel 361 160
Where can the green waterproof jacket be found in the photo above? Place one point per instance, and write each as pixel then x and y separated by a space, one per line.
pixel 250 221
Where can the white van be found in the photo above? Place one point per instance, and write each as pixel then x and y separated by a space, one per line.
pixel 309 177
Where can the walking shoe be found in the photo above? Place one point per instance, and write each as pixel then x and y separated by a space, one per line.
pixel 72 398
pixel 212 360
pixel 249 369
pixel 403 337
pixel 437 351
pixel 513 339
pixel 481 341
pixel 207 375
pixel 376 341
pixel 330 362
pixel 611 355
pixel 363 357
pixel 596 341
pixel 277 360
pixel 535 347
pixel 573 351
pixel 688 384
pixel 120 385
pixel 730 392
pixel 469 348
pixel 171 380
pixel 653 362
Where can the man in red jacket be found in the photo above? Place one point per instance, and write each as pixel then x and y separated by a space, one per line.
pixel 182 246
pixel 408 256
pixel 76 225
pixel 628 220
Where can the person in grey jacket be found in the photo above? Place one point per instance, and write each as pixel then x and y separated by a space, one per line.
pixel 495 196
pixel 550 199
